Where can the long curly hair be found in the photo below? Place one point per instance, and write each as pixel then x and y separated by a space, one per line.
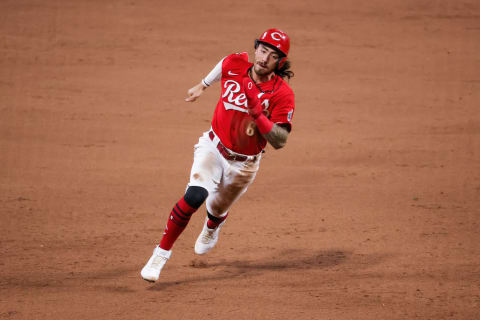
pixel 285 71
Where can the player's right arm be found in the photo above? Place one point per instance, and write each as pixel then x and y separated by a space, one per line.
pixel 214 76
pixel 195 92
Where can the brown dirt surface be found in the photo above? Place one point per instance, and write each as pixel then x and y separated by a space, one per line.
pixel 371 211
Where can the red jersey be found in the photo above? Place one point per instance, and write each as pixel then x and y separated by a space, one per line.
pixel 231 121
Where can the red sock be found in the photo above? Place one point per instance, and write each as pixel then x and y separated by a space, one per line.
pixel 177 221
pixel 213 221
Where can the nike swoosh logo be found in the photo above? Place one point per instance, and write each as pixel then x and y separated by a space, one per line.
pixel 232 74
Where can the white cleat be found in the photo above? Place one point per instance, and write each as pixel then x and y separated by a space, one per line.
pixel 207 239
pixel 155 264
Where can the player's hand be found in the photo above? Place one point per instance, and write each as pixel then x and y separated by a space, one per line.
pixel 254 107
pixel 195 92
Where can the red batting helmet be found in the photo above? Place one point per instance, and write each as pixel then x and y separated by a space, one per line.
pixel 278 40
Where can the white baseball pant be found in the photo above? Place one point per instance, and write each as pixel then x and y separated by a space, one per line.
pixel 225 180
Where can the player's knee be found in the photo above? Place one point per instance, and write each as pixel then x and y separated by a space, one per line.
pixel 195 196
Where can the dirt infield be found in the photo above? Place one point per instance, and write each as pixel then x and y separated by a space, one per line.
pixel 371 211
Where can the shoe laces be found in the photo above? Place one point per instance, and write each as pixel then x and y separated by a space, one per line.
pixel 208 235
pixel 158 261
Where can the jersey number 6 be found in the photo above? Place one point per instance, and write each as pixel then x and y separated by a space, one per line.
pixel 250 131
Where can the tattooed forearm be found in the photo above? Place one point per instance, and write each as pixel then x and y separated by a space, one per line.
pixel 277 137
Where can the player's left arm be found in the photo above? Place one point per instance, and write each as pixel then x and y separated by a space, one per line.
pixel 277 136
pixel 276 129
pixel 281 116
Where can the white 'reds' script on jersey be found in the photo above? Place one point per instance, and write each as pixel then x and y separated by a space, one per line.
pixel 231 92
pixel 240 101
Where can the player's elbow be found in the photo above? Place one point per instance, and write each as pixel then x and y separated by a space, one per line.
pixel 278 144
pixel 277 137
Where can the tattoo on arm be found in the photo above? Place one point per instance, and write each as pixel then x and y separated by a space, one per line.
pixel 277 137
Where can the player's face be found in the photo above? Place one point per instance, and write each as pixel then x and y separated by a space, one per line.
pixel 265 60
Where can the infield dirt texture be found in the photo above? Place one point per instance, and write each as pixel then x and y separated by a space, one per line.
pixel 371 211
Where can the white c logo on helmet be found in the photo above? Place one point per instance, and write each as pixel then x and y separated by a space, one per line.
pixel 275 36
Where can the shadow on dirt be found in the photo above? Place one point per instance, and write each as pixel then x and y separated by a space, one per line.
pixel 283 261
pixel 62 279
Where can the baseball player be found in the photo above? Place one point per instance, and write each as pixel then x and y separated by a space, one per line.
pixel 256 106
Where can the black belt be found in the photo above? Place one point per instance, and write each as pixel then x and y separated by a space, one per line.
pixel 227 154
